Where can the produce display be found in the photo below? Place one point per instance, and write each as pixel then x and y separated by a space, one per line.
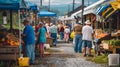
pixel 116 34
pixel 12 40
pixel 112 42
pixel 99 33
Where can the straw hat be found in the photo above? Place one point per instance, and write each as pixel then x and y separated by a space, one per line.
pixel 87 22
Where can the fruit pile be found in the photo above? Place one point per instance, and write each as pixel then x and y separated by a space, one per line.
pixel 12 40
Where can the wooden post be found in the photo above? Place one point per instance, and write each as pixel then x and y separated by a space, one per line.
pixel 11 24
pixel 82 12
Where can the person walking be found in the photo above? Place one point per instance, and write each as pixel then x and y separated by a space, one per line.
pixel 78 38
pixel 61 30
pixel 53 33
pixel 41 38
pixel 87 32
pixel 29 40
pixel 66 34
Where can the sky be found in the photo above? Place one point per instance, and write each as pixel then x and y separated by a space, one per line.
pixel 60 2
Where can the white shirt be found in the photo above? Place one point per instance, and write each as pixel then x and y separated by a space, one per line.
pixel 67 30
pixel 87 33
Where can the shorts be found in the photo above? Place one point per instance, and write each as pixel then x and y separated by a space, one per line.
pixel 41 45
pixel 87 44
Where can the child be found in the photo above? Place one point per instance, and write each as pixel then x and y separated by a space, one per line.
pixel 67 32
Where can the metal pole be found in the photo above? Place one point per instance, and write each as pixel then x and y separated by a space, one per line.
pixel 73 5
pixel 41 2
pixel 82 11
pixel 49 5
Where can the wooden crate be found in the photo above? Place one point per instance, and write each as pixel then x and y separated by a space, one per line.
pixel 9 52
pixel 49 41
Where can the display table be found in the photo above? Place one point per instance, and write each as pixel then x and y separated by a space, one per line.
pixel 9 53
pixel 110 48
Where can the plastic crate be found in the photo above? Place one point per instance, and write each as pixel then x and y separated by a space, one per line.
pixel 23 61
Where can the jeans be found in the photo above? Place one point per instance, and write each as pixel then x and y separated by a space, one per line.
pixel 78 43
pixel 30 51
pixel 54 36
pixel 61 35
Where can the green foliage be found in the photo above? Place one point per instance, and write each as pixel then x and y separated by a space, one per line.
pixel 103 59
pixel 113 42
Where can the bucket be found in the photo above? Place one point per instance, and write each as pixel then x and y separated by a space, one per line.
pixel 23 61
pixel 113 59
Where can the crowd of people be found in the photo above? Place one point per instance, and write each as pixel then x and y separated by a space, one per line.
pixel 32 37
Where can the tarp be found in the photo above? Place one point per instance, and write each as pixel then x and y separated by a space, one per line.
pixel 88 8
pixel 31 6
pixel 108 10
pixel 12 4
pixel 46 14
pixel 101 9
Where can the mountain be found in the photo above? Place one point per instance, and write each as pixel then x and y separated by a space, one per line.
pixel 65 8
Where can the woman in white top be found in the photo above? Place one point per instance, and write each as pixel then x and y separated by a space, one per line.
pixel 66 33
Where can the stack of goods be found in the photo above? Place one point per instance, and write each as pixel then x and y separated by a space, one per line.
pixel 116 34
pixel 12 40
pixel 99 33
pixel 113 43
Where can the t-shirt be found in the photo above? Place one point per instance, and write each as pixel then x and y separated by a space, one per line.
pixel 42 37
pixel 67 30
pixel 87 33
pixel 30 35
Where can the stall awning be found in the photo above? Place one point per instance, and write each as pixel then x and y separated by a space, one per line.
pixel 31 6
pixel 12 4
pixel 101 9
pixel 46 14
pixel 108 10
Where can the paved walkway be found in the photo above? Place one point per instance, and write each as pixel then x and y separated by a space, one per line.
pixel 63 56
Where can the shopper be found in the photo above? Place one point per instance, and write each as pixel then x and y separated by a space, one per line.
pixel 87 32
pixel 61 30
pixel 78 38
pixel 41 38
pixel 29 40
pixel 66 33
pixel 53 33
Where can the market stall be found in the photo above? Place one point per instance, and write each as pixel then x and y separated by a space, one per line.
pixel 9 49
pixel 110 14
pixel 47 17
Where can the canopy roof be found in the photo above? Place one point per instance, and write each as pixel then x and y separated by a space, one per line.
pixel 108 10
pixel 46 14
pixel 12 4
pixel 31 6
pixel 92 8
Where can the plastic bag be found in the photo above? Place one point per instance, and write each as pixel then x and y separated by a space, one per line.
pixel 72 35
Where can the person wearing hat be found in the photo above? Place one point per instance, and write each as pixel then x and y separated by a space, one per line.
pixel 87 33
pixel 29 40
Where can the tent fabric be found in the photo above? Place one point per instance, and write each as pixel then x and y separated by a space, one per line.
pixel 31 6
pixel 46 14
pixel 89 7
pixel 103 8
pixel 12 4
pixel 108 10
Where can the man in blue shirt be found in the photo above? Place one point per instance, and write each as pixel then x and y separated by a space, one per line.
pixel 29 40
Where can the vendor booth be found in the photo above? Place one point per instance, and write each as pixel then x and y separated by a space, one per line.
pixel 9 43
pixel 47 17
